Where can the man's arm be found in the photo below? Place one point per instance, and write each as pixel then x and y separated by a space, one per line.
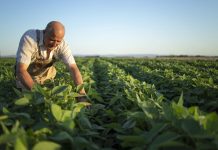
pixel 76 75
pixel 24 76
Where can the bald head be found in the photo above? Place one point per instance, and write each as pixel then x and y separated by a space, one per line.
pixel 54 34
pixel 55 28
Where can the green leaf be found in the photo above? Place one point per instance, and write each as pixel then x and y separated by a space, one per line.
pixel 59 89
pixel 4 128
pixel 147 109
pixel 69 124
pixel 22 101
pixel 19 144
pixel 155 130
pixel 46 145
pixel 81 142
pixel 42 131
pixel 15 127
pixel 38 99
pixel 29 95
pixel 212 123
pixel 3 117
pixel 38 88
pixel 62 137
pixel 173 145
pixel 113 100
pixel 115 126
pixel 74 94
pixel 131 140
pixel 193 128
pixel 66 115
pixel 77 108
pixel 84 122
pixel 19 93
pixel 194 111
pixel 23 115
pixel 179 111
pixel 168 112
pixel 7 138
pixel 180 102
pixel 5 110
pixel 165 137
pixel 129 124
pixel 210 80
pixel 56 111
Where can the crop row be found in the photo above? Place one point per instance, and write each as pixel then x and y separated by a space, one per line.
pixel 197 91
pixel 125 113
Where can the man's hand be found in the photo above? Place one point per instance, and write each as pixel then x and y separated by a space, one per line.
pixel 82 99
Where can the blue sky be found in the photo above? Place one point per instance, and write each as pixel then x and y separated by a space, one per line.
pixel 117 26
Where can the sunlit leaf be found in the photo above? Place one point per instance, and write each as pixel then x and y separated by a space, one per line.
pixel 56 111
pixel 46 145
pixel 180 102
pixel 22 101
pixel 20 145
pixel 66 115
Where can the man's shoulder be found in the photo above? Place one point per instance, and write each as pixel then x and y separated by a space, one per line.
pixel 30 33
pixel 64 44
pixel 28 41
pixel 30 36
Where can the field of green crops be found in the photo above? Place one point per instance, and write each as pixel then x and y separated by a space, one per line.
pixel 136 104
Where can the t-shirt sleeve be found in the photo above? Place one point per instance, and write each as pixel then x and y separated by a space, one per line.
pixel 66 54
pixel 25 49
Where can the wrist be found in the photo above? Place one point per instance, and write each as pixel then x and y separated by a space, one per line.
pixel 82 94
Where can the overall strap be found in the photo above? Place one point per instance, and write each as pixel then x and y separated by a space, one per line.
pixel 38 39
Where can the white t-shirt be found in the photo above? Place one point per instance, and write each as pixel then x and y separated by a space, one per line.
pixel 28 49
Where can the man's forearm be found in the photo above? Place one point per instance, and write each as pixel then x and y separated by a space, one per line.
pixel 24 76
pixel 77 78
pixel 26 79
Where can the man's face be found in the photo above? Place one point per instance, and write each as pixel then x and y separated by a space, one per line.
pixel 52 40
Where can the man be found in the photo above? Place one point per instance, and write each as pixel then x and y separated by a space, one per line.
pixel 38 50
